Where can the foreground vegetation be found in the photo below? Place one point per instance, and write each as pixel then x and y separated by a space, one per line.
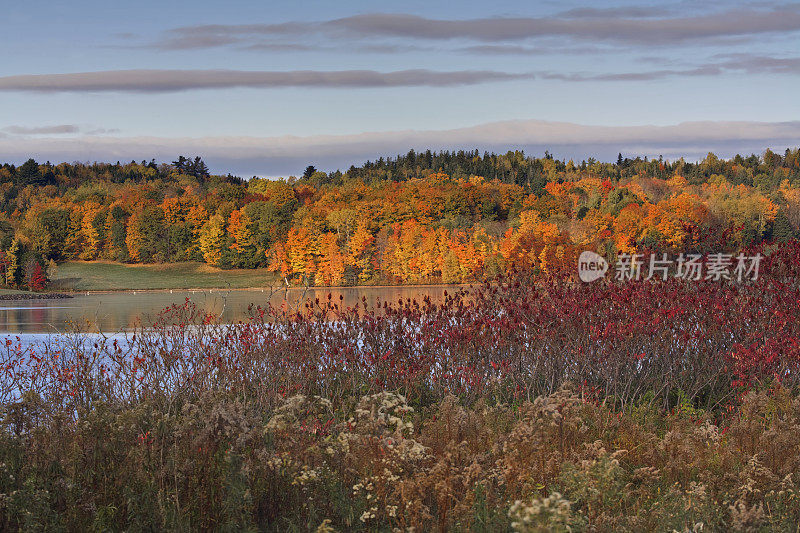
pixel 512 406
pixel 420 218
pixel 374 463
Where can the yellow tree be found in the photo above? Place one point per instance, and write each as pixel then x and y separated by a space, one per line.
pixel 212 240
pixel 176 210
pixel 330 269
pixel 197 217
pixel 360 255
pixel 243 239
pixel 299 252
pixel 93 230
pixel 234 227
pixel 134 240
pixel 628 227
pixel 279 260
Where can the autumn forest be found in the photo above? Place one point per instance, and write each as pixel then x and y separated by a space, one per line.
pixel 418 218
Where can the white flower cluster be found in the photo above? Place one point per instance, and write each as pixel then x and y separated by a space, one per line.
pixel 541 514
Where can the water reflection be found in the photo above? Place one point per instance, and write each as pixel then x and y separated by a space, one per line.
pixel 115 311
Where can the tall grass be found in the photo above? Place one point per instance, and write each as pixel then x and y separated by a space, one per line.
pixel 511 405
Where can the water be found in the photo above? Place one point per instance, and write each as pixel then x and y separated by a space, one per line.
pixel 116 311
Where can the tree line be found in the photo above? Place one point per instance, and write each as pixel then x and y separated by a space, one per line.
pixel 420 217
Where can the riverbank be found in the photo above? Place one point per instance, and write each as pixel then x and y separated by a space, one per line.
pixel 107 276
pixel 33 296
pixel 82 276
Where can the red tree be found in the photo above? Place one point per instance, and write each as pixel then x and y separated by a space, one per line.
pixel 38 279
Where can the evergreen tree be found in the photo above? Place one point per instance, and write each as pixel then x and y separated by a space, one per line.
pixel 29 173
pixel 199 168
pixel 180 163
pixel 782 230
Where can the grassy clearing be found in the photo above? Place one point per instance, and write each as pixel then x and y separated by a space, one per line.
pixel 102 276
pixel 4 292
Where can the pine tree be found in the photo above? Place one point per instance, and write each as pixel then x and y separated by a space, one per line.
pixel 180 163
pixel 782 230
pixel 29 173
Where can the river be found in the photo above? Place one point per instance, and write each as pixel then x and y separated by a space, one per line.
pixel 111 312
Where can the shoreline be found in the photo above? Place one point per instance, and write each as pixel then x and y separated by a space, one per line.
pixel 82 277
pixel 36 296
pixel 70 294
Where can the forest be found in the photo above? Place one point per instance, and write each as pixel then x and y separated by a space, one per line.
pixel 423 217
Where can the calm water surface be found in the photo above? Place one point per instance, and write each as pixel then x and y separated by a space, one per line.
pixel 115 311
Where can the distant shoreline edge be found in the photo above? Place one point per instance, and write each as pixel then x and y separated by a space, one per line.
pixel 35 296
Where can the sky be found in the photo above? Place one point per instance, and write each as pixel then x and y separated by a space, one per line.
pixel 267 88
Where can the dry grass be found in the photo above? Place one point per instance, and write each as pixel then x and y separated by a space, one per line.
pixel 510 407
pixel 560 463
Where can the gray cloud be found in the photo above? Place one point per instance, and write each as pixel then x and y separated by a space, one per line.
pixel 155 81
pixel 755 64
pixel 386 48
pixel 290 154
pixel 734 64
pixel 631 12
pixel 102 131
pixel 42 130
pixel 215 35
pixel 59 129
pixel 524 50
pixel 631 26
pixel 614 29
pixel 160 81
pixel 280 47
pixel 709 70
pixel 198 40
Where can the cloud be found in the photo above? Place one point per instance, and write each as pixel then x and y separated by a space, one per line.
pixel 42 130
pixel 159 81
pixel 756 64
pixel 608 28
pixel 182 80
pixel 59 129
pixel 216 35
pixel 631 12
pixel 285 155
pixel 359 48
pixel 524 50
pixel 709 70
pixel 734 64
pixel 280 47
pixel 625 25
pixel 102 131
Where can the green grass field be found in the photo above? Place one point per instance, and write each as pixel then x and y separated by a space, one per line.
pixel 13 291
pixel 106 276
